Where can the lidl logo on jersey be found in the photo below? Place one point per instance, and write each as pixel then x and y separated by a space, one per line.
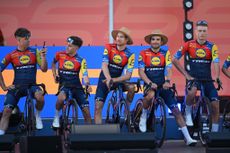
pixel 155 61
pixel 24 59
pixel 228 59
pixel 200 53
pixel 68 65
pixel 117 59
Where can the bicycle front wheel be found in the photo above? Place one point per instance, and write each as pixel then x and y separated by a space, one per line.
pixel 157 120
pixel 124 116
pixel 111 112
pixel 205 119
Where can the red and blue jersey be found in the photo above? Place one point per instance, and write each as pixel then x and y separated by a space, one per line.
pixel 118 60
pixel 227 62
pixel 69 68
pixel 155 64
pixel 24 64
pixel 200 58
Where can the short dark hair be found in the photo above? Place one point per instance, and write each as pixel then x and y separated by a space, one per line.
pixel 75 41
pixel 22 32
pixel 202 23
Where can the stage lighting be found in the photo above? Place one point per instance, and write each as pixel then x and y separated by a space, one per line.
pixel 188 30
pixel 188 4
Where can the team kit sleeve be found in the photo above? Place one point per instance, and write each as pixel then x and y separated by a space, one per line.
pixel 168 62
pixel 227 62
pixel 182 51
pixel 5 62
pixel 215 54
pixel 130 64
pixel 105 57
pixel 141 63
pixel 84 70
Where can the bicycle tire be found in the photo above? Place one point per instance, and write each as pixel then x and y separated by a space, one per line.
pixel 157 122
pixel 124 115
pixel 136 114
pixel 205 119
pixel 30 117
pixel 226 116
pixel 111 113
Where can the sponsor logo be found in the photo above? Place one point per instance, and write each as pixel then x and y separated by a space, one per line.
pixel 200 53
pixel 117 59
pixel 155 61
pixel 24 59
pixel 68 65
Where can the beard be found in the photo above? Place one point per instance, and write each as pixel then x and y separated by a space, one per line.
pixel 156 47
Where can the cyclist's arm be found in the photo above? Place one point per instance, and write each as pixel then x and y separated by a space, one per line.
pixel 54 69
pixel 216 60
pixel 3 65
pixel 85 72
pixel 176 61
pixel 105 63
pixel 41 59
pixel 168 66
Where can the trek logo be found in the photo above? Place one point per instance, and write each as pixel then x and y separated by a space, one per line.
pixel 200 53
pixel 24 59
pixel 117 59
pixel 68 65
pixel 155 61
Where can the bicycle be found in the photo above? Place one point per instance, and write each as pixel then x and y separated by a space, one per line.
pixel 156 118
pixel 118 110
pixel 28 122
pixel 201 111
pixel 69 120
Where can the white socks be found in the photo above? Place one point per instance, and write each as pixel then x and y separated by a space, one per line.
pixel 186 133
pixel 215 127
pixel 2 132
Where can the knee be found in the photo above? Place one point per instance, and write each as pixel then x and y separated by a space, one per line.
pixel 131 88
pixel 176 112
pixel 98 107
pixel 39 96
pixel 7 112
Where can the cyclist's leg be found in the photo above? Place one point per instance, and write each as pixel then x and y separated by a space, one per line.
pixel 146 103
pixel 130 94
pixel 11 100
pixel 100 97
pixel 211 93
pixel 38 95
pixel 170 101
pixel 80 96
pixel 190 99
pixel 59 104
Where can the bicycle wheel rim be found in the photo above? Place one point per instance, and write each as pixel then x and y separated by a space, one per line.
pixel 111 113
pixel 205 120
pixel 74 118
pixel 124 116
pixel 159 123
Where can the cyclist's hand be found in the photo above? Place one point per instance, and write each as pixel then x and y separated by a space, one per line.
pixel 43 52
pixel 109 83
pixel 89 89
pixel 166 85
pixel 8 88
pixel 188 77
pixel 154 86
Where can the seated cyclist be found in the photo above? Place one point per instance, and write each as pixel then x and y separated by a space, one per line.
pixel 24 60
pixel 115 58
pixel 69 66
pixel 155 68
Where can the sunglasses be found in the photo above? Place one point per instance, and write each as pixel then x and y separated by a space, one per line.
pixel 202 22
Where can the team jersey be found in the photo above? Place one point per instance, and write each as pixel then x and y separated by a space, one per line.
pixel 200 58
pixel 70 67
pixel 155 64
pixel 227 62
pixel 117 60
pixel 24 64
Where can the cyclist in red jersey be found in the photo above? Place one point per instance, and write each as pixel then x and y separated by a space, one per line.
pixel 201 54
pixel 24 60
pixel 115 58
pixel 70 64
pixel 155 68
